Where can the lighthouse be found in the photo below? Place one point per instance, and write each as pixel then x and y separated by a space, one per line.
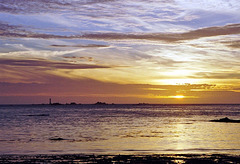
pixel 50 101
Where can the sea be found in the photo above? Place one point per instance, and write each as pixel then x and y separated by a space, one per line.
pixel 119 129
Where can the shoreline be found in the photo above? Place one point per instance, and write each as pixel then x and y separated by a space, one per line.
pixel 138 158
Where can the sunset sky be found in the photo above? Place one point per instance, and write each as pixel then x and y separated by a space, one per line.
pixel 128 51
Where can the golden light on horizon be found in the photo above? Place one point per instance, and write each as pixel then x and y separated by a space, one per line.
pixel 174 97
pixel 179 96
pixel 131 61
pixel 177 81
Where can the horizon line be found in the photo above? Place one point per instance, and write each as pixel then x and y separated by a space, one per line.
pixel 126 104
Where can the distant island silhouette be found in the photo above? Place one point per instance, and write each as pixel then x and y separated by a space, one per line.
pixel 100 103
pixel 57 103
pixel 142 104
pixel 226 119
pixel 73 103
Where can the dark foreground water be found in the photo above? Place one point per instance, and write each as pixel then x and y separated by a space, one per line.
pixel 119 129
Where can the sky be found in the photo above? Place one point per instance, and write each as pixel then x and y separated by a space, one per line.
pixel 128 51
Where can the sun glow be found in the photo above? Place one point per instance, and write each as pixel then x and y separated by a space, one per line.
pixel 179 81
pixel 179 96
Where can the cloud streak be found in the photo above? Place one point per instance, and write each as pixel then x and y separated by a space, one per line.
pixel 82 46
pixel 171 37
pixel 217 75
pixel 47 64
pixel 14 31
pixel 233 44
pixel 31 6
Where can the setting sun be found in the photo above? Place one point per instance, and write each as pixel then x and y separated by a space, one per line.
pixel 178 96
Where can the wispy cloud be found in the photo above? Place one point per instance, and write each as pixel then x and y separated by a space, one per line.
pixel 26 6
pixel 13 31
pixel 47 64
pixel 82 46
pixel 214 5
pixel 217 75
pixel 80 58
pixel 121 16
pixel 232 44
pixel 171 37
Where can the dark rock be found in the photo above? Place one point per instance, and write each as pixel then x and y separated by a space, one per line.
pixel 226 119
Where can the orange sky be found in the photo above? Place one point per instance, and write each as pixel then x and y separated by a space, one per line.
pixel 120 52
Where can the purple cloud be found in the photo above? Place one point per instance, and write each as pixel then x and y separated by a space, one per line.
pixel 47 64
pixel 81 45
pixel 15 31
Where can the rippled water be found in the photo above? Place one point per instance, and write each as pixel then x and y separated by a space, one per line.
pixel 118 129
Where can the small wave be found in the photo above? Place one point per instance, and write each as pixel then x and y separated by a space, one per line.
pixel 11 140
pixel 36 115
pixel 137 150
pixel 201 149
pixel 84 139
pixel 151 136
pixel 187 123
pixel 181 150
pixel 157 132
pixel 57 139
pixel 56 151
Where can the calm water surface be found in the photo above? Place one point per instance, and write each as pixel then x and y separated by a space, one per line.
pixel 118 129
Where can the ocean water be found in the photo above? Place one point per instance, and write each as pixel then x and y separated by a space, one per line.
pixel 118 129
